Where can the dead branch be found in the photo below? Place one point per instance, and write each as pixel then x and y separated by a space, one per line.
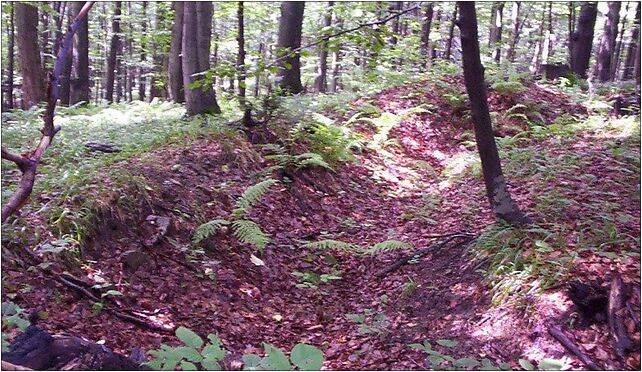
pixel 422 252
pixel 570 346
pixel 6 366
pixel 29 163
pixel 623 343
pixel 339 33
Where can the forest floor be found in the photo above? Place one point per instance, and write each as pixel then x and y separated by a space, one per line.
pixel 577 178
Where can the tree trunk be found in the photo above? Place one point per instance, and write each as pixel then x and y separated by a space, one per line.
pixel 10 58
pixel 537 55
pixel 80 90
pixel 142 86
pixel 321 81
pixel 290 26
pixel 425 29
pixel 607 42
pixel 33 82
pixel 336 63
pixel 65 74
pixel 240 62
pixel 500 200
pixel 197 24
pixel 45 50
pixel 510 53
pixel 633 48
pixel 547 47
pixel 436 25
pixel 394 8
pixel 616 58
pixel 451 32
pixel 582 39
pixel 495 37
pixel 571 27
pixel 156 81
pixel 112 60
pixel 175 69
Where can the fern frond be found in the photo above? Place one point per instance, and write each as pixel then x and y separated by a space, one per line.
pixel 207 230
pixel 387 246
pixel 310 159
pixel 249 232
pixel 254 193
pixel 329 244
pixel 274 148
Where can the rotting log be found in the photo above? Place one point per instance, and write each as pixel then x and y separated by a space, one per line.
pixel 28 163
pixel 570 346
pixel 622 342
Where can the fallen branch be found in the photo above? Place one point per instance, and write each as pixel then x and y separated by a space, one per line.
pixel 570 346
pixel 422 252
pixel 623 343
pixel 29 163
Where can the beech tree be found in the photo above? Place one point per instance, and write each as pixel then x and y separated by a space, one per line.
pixel 510 53
pixel 79 83
pixel 290 27
pixel 114 48
pixel 10 58
pixel 633 49
pixel 582 39
pixel 321 81
pixel 175 66
pixel 496 25
pixel 33 82
pixel 499 197
pixel 607 42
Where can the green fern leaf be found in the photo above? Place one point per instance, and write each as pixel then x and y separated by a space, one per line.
pixel 207 230
pixel 310 159
pixel 387 246
pixel 253 194
pixel 329 244
pixel 249 232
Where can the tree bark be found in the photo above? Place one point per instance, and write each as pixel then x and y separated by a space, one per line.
pixel 501 203
pixel 547 47
pixel 336 63
pixel 10 58
pixel 537 55
pixel 571 27
pixel 633 49
pixel 510 53
pixel 80 90
pixel 425 29
pixel 175 69
pixel 45 50
pixel 33 84
pixel 112 60
pixel 197 24
pixel 616 58
pixel 607 42
pixel 495 37
pixel 240 62
pixel 156 82
pixel 65 74
pixel 321 81
pixel 582 39
pixel 290 27
pixel 451 33
pixel 142 79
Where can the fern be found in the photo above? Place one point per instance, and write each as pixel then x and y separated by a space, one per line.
pixel 329 244
pixel 310 159
pixel 250 196
pixel 249 232
pixel 207 229
pixel 387 246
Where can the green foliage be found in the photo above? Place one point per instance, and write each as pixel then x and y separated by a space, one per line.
pixel 289 162
pixel 370 322
pixel 310 279
pixel 444 361
pixel 302 356
pixel 387 246
pixel 329 244
pixel 251 196
pixel 249 232
pixel 207 230
pixel 508 88
pixel 12 317
pixel 195 353
pixel 323 137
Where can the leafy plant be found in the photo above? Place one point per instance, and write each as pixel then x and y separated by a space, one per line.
pixel 310 279
pixel 194 353
pixel 370 322
pixel 303 356
pixel 508 88
pixel 387 246
pixel 12 317
pixel 208 230
pixel 442 361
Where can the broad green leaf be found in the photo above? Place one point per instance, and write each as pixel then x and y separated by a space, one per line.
pixel 213 352
pixel 211 364
pixel 548 364
pixel 543 246
pixel 417 347
pixel 357 318
pixel 306 357
pixel 251 362
pixel 189 337
pixel 187 366
pixel 505 366
pixel 189 353
pixel 467 362
pixel 528 366
pixel 276 359
pixel 447 343
pixel 487 365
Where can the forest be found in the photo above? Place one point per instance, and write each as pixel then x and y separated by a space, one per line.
pixel 404 185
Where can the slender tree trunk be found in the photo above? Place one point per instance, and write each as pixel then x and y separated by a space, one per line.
pixel 257 75
pixel 425 29
pixel 537 56
pixel 571 27
pixel 607 42
pixel 510 53
pixel 65 74
pixel 582 39
pixel 496 26
pixel 499 197
pixel 129 68
pixel 142 79
pixel 10 57
pixel 197 27
pixel 616 58
pixel 80 90
pixel 321 81
pixel 112 60
pixel 240 62
pixel 547 48
pixel 45 51
pixel 393 8
pixel 336 62
pixel 156 88
pixel 176 92
pixel 633 49
pixel 436 25
pixel 451 32
pixel 290 27
pixel 33 82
